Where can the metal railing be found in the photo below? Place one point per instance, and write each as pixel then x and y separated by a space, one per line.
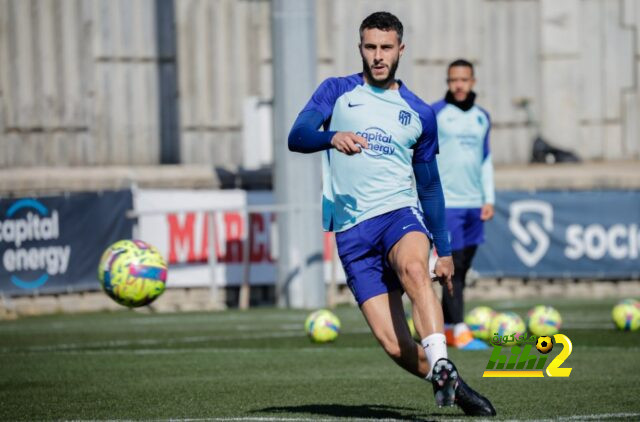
pixel 245 211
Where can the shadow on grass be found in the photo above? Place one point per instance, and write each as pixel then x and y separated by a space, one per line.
pixel 364 411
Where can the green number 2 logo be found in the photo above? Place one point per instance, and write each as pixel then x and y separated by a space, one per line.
pixel 553 369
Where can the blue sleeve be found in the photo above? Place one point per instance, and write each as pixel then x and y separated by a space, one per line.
pixel 488 187
pixel 324 98
pixel 485 145
pixel 431 198
pixel 305 136
pixel 426 148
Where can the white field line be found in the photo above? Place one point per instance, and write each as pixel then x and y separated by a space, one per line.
pixel 211 350
pixel 592 416
pixel 152 342
pixel 588 417
pixel 169 351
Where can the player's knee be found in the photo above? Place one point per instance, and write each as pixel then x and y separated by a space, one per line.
pixel 414 274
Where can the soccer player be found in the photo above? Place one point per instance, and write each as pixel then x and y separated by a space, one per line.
pixel 466 171
pixel 378 138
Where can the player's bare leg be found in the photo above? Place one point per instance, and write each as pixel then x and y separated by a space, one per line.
pixel 393 333
pixel 409 258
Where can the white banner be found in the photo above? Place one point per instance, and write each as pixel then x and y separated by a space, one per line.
pixel 177 223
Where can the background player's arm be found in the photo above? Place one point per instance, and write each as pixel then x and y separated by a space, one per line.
pixel 487 179
pixel 306 138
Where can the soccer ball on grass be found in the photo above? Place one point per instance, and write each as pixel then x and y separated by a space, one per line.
pixel 626 316
pixel 322 326
pixel 506 324
pixel 544 320
pixel 479 321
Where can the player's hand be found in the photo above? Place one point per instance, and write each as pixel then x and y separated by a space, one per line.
pixel 443 271
pixel 348 142
pixel 487 212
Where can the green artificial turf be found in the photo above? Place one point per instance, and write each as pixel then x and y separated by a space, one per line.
pixel 259 365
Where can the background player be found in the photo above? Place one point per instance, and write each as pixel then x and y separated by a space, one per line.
pixel 378 136
pixel 466 171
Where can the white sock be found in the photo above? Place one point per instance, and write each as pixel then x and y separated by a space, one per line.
pixel 435 347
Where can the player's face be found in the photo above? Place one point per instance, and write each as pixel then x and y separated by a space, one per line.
pixel 380 51
pixel 460 80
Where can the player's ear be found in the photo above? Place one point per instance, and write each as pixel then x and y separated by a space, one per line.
pixel 401 49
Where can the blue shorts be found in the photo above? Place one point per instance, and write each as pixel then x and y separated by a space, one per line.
pixel 465 227
pixel 363 250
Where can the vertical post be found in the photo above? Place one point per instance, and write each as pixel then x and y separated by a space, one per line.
pixel 245 287
pixel 300 279
pixel 213 258
pixel 167 82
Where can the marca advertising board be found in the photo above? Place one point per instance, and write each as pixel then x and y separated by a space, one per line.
pixel 183 237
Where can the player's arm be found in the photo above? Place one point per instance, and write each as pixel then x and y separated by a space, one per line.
pixel 429 189
pixel 431 198
pixel 488 187
pixel 306 137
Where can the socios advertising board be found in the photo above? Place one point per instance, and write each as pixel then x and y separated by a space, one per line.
pixel 593 234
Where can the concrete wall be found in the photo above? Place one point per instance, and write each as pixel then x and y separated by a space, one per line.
pixel 86 82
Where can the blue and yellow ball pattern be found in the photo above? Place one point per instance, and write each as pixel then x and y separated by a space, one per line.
pixel 479 321
pixel 544 320
pixel 508 326
pixel 132 273
pixel 322 326
pixel 626 316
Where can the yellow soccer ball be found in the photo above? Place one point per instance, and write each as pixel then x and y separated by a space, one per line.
pixel 626 316
pixel 322 326
pixel 544 320
pixel 132 273
pixel 506 327
pixel 479 321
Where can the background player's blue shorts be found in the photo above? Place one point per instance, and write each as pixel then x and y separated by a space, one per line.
pixel 465 227
pixel 363 250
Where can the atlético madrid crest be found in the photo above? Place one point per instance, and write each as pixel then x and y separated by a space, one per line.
pixel 404 117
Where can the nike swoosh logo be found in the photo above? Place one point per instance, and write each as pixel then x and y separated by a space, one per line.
pixel 354 105
pixel 408 225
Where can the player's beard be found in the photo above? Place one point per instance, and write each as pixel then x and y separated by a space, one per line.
pixel 385 82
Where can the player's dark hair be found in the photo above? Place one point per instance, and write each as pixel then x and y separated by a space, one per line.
pixel 462 63
pixel 384 21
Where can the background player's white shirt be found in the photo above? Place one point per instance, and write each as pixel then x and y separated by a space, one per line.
pixel 464 162
pixel 400 130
